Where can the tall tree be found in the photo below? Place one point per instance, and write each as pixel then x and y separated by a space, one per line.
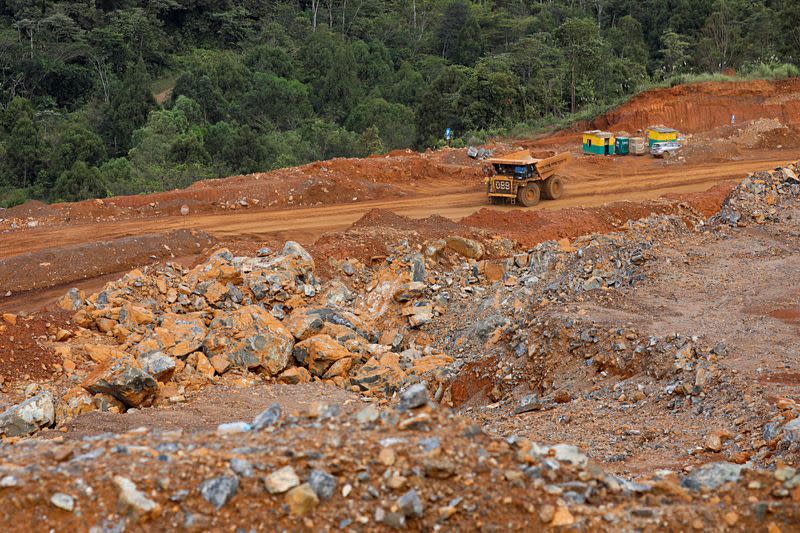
pixel 581 43
pixel 23 147
pixel 130 102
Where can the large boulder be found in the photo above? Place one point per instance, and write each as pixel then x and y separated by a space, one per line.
pixel 347 337
pixel 319 353
pixel 791 431
pixel 133 317
pixel 341 317
pixel 388 283
pixel 72 301
pixel 29 416
pixel 712 475
pixel 293 259
pixel 465 247
pixel 380 375
pixel 181 335
pixel 218 267
pixel 158 365
pixel 125 380
pixel 303 325
pixel 250 337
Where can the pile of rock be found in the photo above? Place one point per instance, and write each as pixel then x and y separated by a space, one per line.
pixel 759 197
pixel 564 269
pixel 781 435
pixel 687 362
pixel 158 331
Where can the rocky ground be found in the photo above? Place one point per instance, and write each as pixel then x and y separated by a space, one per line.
pixel 640 379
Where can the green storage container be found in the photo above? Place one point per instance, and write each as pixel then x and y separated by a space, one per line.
pixel 622 146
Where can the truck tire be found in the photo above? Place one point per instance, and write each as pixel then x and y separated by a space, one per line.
pixel 528 195
pixel 553 188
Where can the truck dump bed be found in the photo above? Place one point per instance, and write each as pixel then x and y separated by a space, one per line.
pixel 544 167
pixel 516 158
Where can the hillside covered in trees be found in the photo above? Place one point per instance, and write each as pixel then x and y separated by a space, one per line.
pixel 106 97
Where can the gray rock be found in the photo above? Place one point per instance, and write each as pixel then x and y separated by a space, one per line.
pixel 570 454
pixel 158 365
pixel 484 328
pixel 414 396
pixel 429 444
pixel 791 431
pixel 74 297
pixel 234 293
pixel 394 520
pixel 8 481
pixel 292 248
pixel 342 317
pixel 367 415
pixel 712 475
pixel 278 311
pixel 347 268
pixel 410 504
pixel 179 496
pixel 259 290
pixel 219 490
pixel 771 430
pixel 417 268
pixel 124 381
pixel 63 501
pixel 263 252
pixel 269 417
pixel 338 294
pixel 527 404
pixel 242 467
pixel 322 483
pixel 29 416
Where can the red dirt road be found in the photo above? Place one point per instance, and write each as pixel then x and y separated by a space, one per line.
pixel 589 182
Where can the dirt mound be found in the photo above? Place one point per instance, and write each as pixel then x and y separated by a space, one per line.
pixel 28 209
pixel 732 142
pixel 705 106
pixel 335 181
pixel 532 227
pixel 23 355
pixel 66 264
pixel 370 237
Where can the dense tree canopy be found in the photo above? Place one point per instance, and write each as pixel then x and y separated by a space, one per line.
pixel 102 97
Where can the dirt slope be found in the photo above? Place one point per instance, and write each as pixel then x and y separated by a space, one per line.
pixel 704 106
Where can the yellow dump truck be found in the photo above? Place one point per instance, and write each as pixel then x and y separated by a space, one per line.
pixel 520 177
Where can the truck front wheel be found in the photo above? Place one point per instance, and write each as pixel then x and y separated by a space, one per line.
pixel 528 195
pixel 553 188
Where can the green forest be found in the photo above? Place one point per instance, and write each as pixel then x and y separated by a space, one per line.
pixel 109 97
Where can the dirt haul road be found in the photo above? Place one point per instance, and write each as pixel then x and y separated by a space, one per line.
pixel 589 182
